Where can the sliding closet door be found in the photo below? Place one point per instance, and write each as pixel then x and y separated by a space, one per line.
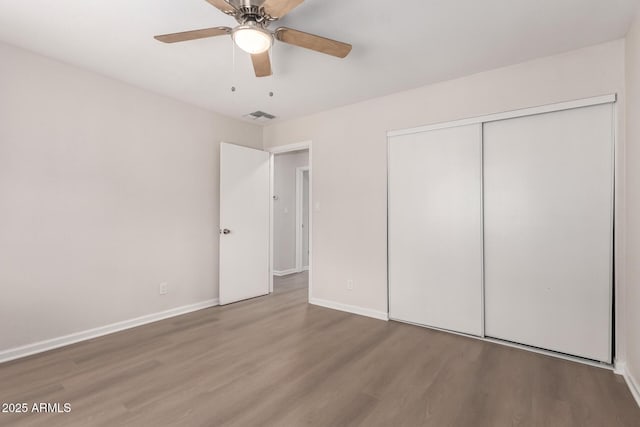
pixel 435 229
pixel 548 230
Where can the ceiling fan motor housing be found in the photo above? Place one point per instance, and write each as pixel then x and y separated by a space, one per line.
pixel 250 10
pixel 252 13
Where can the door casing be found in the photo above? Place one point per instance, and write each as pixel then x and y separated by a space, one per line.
pixel 305 145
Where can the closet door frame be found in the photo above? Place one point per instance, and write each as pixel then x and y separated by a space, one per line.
pixel 617 334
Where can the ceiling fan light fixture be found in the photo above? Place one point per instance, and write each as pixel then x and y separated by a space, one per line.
pixel 252 38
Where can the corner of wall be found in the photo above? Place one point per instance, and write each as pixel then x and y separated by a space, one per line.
pixel 630 356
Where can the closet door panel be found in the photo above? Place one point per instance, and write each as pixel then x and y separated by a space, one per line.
pixel 548 188
pixel 435 229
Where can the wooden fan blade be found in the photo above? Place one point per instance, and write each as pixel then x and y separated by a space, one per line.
pixel 279 8
pixel 222 5
pixel 313 42
pixel 261 64
pixel 192 35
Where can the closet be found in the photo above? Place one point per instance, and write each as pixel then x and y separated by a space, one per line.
pixel 502 227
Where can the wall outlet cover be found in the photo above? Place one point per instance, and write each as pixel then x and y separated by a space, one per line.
pixel 163 289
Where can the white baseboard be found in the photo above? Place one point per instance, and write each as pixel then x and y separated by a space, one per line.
pixel 41 346
pixel 305 268
pixel 632 383
pixel 381 315
pixel 284 272
pixel 619 367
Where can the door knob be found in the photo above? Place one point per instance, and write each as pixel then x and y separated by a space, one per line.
pixel 225 231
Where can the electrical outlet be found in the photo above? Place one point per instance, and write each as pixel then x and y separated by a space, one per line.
pixel 163 289
pixel 350 284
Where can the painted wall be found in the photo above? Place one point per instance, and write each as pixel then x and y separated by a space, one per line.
pixel 632 297
pixel 350 150
pixel 105 192
pixel 284 208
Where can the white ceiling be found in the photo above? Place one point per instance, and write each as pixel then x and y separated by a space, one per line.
pixel 397 45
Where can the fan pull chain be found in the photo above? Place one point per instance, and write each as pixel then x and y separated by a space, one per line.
pixel 233 58
pixel 233 66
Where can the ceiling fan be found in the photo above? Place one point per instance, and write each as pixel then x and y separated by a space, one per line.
pixel 253 36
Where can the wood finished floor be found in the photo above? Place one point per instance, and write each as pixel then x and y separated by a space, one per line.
pixel 277 361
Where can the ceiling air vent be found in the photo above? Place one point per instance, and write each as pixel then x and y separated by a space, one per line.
pixel 260 116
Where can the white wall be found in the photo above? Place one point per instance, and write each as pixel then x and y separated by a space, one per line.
pixel 105 191
pixel 284 208
pixel 350 149
pixel 632 297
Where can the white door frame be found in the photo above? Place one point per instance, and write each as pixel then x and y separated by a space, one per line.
pixel 299 146
pixel 299 208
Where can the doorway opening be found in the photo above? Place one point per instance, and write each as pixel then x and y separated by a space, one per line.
pixel 302 218
pixel 291 218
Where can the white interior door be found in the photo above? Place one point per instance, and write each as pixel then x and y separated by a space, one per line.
pixel 548 230
pixel 435 228
pixel 244 223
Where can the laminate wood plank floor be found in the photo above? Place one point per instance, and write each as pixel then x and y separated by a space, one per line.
pixel 278 361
